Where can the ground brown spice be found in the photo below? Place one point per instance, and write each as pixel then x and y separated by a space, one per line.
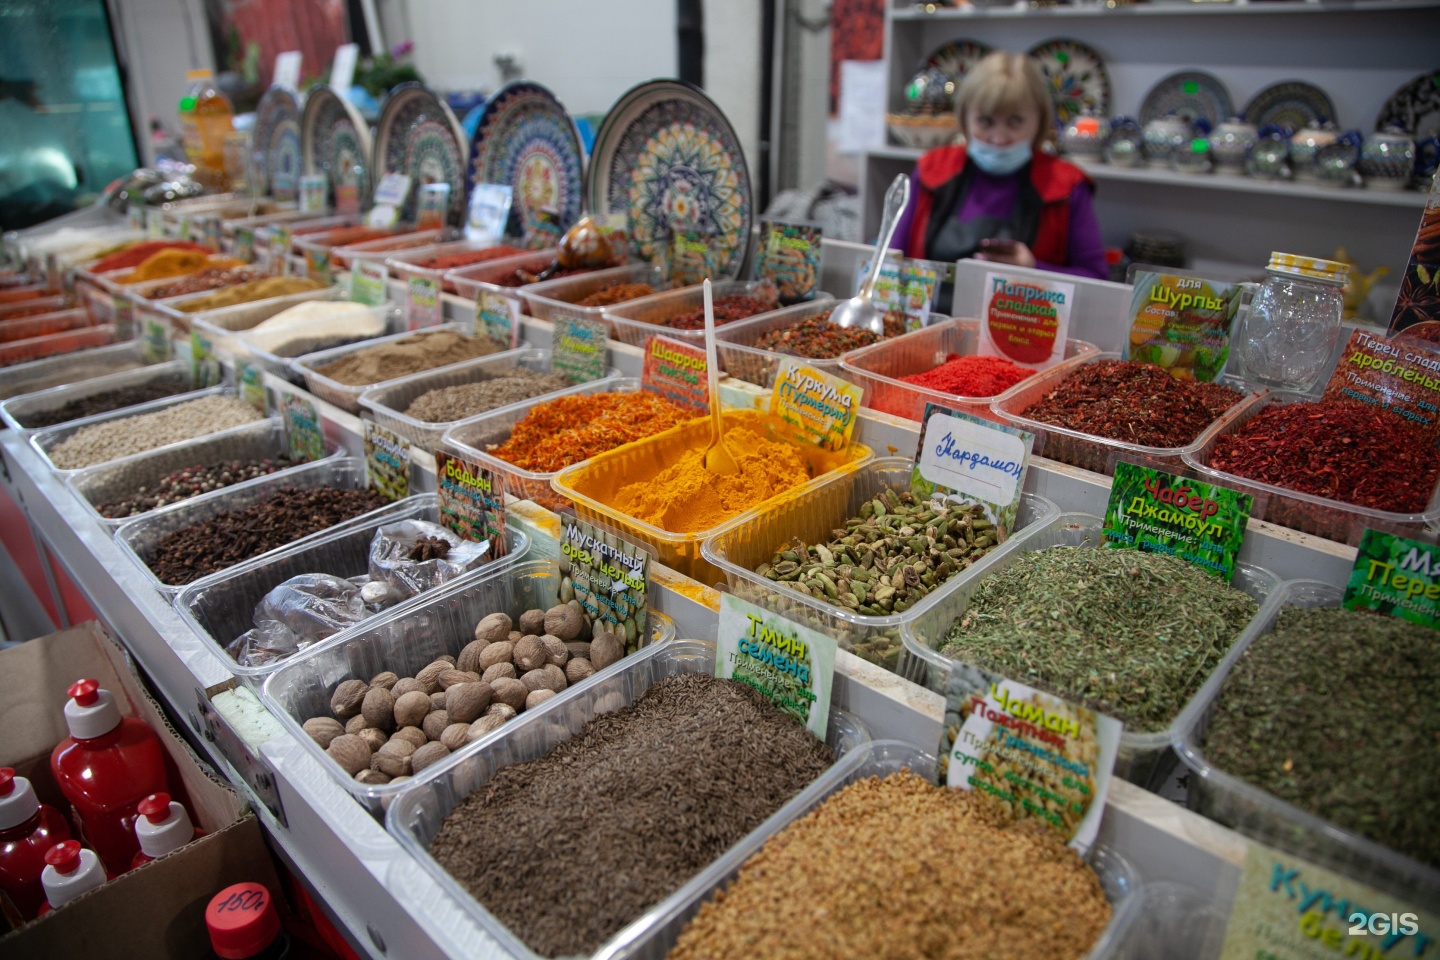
pixel 400 358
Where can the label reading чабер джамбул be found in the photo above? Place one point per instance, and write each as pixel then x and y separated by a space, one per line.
pixel 1397 576
pixel 609 578
pixel 1158 512
pixel 792 666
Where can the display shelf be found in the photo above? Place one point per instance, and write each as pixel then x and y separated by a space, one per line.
pixel 1213 8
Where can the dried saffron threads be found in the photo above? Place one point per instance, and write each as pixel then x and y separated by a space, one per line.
pixel 1339 449
pixel 566 430
pixel 973 376
pixel 1133 402
pixel 1336 713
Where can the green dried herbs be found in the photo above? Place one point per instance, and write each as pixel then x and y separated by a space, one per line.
pixel 1131 634
pixel 1337 713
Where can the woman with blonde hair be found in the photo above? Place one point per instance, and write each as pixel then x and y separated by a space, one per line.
pixel 999 196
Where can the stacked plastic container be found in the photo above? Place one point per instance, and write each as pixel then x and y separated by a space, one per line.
pixel 19 412
pixel 347 396
pixel 635 321
pixel 43 441
pixel 556 300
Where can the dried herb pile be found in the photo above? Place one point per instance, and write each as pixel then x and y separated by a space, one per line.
pixel 1337 713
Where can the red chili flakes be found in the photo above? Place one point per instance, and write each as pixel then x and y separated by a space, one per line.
pixel 737 306
pixel 972 376
pixel 449 261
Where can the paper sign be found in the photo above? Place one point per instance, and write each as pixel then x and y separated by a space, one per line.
pixel 498 318
pixel 287 70
pixel 974 459
pixel 313 187
pixel 690 259
pixel 1182 324
pixel 342 70
pixel 204 366
pixel 608 574
pixel 1421 282
pixel 317 265
pixel 489 212
pixel 1025 320
pixel 433 206
pixel 124 318
pixel 155 340
pixel 676 371
pixel 1396 576
pixel 347 198
pixel 387 462
pixel 1400 376
pixel 422 302
pixel 390 197
pixel 864 96
pixel 252 385
pixel 1159 512
pixel 821 409
pixel 244 249
pixel 1047 759
pixel 304 434
pixel 472 500
pixel 280 251
pixel 578 349
pixel 1287 908
pixel 791 665
pixel 368 283
pixel 789 257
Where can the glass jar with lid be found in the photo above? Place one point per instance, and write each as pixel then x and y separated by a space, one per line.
pixel 1293 324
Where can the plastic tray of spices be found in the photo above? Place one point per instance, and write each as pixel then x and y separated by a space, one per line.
pixel 217 325
pixel 73 367
pixel 347 396
pixel 44 324
pixel 138 537
pixel 264 440
pixel 590 484
pixel 1144 757
pixel 29 308
pixel 220 607
pixel 470 281
pixel 1086 450
pixel 879 368
pixel 1265 817
pixel 441 623
pixel 813 516
pixel 407 265
pixel 69 341
pixel 636 320
pixel 229 228
pixel 1319 516
pixel 416 815
pixel 278 360
pixel 17 411
pixel 654 935
pixel 739 357
pixel 383 248
pixel 554 300
pixel 387 403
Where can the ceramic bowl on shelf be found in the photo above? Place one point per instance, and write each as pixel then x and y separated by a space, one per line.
pixel 1192 157
pixel 1306 144
pixel 1163 136
pixel 930 91
pixel 1335 163
pixel 1268 158
pixel 1125 147
pixel 922 132
pixel 1387 159
pixel 1084 137
pixel 1230 144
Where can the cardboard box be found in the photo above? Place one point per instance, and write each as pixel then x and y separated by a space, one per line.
pixel 157 910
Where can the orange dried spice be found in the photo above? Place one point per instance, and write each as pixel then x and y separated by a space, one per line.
pixel 569 429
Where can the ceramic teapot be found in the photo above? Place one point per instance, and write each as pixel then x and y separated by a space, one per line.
pixel 1387 159
pixel 1306 144
pixel 1126 144
pixel 1084 137
pixel 1193 156
pixel 931 91
pixel 1231 142
pixel 1336 161
pixel 1268 155
pixel 1163 136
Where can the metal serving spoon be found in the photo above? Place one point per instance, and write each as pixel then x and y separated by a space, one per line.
pixel 860 310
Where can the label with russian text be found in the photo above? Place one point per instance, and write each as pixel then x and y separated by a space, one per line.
pixel 676 371
pixel 792 666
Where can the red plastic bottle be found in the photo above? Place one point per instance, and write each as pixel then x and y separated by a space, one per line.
pixel 70 871
pixel 163 827
pixel 244 924
pixel 107 765
pixel 28 828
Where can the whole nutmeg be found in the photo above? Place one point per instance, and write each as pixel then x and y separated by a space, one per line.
pixel 351 752
pixel 447 658
pixel 429 676
pixel 558 680
pixel 465 702
pixel 372 778
pixel 427 755
pixel 406 685
pixel 345 701
pixel 356 723
pixel 376 738
pixel 496 626
pixel 323 729
pixel 515 636
pixel 537 697
pixel 455 736
pixel 511 692
pixel 437 700
pixel 378 708
pixel 387 679
pixel 395 780
pixel 496 671
pixel 564 621
pixel 605 650
pixel 450 678
pixel 578 669
pixel 414 735
pixel 535 680
pixel 411 709
pixel 528 654
pixel 393 759
pixel 469 658
pixel 483 726
pixel 435 723
pixel 500 652
pixel 532 621
pixel 555 650
pixel 578 648
pixel 502 710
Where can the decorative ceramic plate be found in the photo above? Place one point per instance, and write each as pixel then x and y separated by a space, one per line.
pixel 335 141
pixel 1415 107
pixel 419 136
pixel 1076 76
pixel 955 58
pixel 526 140
pixel 667 158
pixel 275 143
pixel 1293 103
pixel 1191 95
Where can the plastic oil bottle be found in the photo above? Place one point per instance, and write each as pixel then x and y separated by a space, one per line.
pixel 206 119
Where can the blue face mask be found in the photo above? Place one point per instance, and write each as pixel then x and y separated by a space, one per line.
pixel 999 161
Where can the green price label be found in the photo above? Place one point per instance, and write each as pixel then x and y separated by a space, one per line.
pixel 304 433
pixel 578 349
pixel 155 340
pixel 1161 513
pixel 252 384
pixel 1396 576
pixel 203 363
pixel 387 462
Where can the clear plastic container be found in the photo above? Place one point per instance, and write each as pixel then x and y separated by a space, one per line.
pixel 138 537
pixel 591 484
pixel 347 396
pixel 81 338
pixel 18 411
pixel 244 345
pixel 416 815
pixel 221 607
pixel 74 367
pixel 1262 816
pixel 383 248
pixel 43 441
pixel 404 641
pixel 265 235
pixel 1096 454
pixel 408 264
pixel 813 517
pixel 470 281
pixel 1144 756
pixel 636 320
pixel 43 324
pixel 230 228
pixel 739 357
pixel 11 310
pixel 121 478
pixel 1318 516
pixel 879 367
pixel 217 324
pixel 554 300
pixel 387 403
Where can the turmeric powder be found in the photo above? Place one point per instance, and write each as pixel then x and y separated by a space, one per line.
pixel 165 264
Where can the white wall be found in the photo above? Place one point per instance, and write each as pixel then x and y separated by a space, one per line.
pixel 732 69
pixel 159 45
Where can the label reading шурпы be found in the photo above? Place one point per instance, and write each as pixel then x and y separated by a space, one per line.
pixel 1182 323
pixel 387 462
pixel 792 666
pixel 821 409
pixel 472 500
pixel 676 371
pixel 497 318
pixel 304 434
pixel 578 349
pixel 1396 576
pixel 1158 512
pixel 608 575
pixel 1399 377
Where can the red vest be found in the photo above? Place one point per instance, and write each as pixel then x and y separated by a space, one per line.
pixel 1053 179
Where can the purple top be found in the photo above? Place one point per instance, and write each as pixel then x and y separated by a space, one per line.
pixel 991 196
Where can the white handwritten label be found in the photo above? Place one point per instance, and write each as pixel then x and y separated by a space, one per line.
pixel 972 459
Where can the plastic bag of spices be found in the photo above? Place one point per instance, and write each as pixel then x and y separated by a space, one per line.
pixel 298 613
pixel 413 556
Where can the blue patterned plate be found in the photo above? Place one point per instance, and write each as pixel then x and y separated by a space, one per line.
pixel 1291 103
pixel 419 136
pixel 1415 107
pixel 275 144
pixel 526 140
pixel 335 141
pixel 1191 95
pixel 667 158
pixel 955 58
pixel 1076 75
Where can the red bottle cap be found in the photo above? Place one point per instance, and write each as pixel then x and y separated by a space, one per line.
pixel 64 856
pixel 84 692
pixel 155 808
pixel 7 780
pixel 242 921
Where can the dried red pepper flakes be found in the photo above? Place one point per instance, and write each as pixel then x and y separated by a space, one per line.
pixel 133 256
pixel 972 376
pixel 566 430
pixel 1134 402
pixel 1338 449
pixel 817 338
pixel 728 309
pixel 465 258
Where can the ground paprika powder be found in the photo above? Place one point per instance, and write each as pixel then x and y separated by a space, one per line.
pixel 972 376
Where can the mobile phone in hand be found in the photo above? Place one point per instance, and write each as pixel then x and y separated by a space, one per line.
pixel 997 245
